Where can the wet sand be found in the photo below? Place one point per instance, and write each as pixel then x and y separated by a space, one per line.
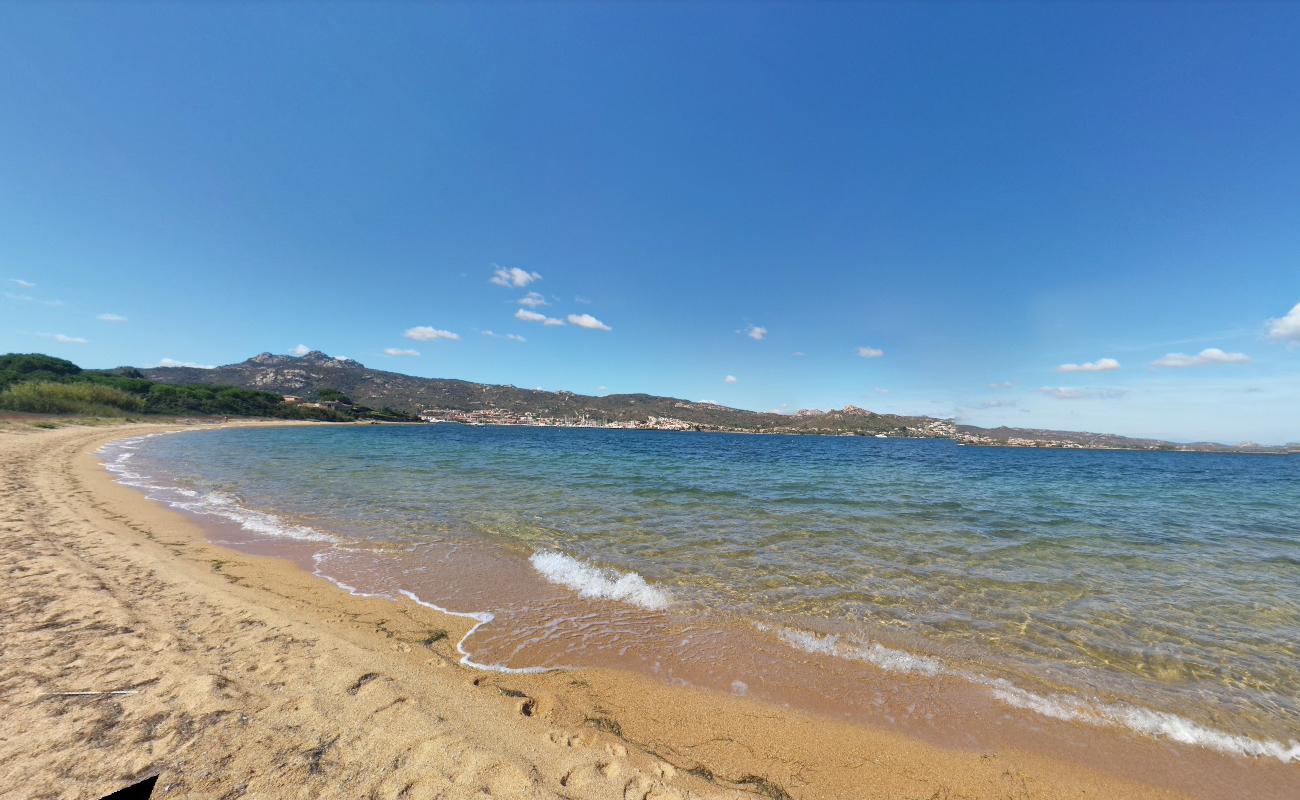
pixel 247 676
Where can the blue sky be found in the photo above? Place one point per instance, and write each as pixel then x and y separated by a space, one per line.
pixel 981 193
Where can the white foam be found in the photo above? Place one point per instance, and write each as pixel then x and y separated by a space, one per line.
pixel 210 504
pixel 596 583
pixel 260 522
pixel 480 618
pixel 1157 724
pixel 871 652
pixel 318 560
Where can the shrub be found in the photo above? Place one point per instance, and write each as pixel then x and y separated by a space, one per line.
pixel 47 397
pixel 15 367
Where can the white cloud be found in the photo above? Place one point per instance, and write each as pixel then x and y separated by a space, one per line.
pixel 871 352
pixel 171 362
pixel 731 379
pixel 1002 385
pixel 514 337
pixel 301 350
pixel 1210 355
pixel 111 318
pixel 532 316
pixel 1100 365
pixel 880 390
pixel 513 277
pixel 1286 328
pixel 424 333
pixel 397 351
pixel 64 338
pixel 588 321
pixel 580 300
pixel 27 298
pixel 1071 393
pixel 533 300
pixel 602 388
pixel 798 354
pixel 756 332
pixel 22 284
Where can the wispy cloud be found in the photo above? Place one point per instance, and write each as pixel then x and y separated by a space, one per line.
pixel 1071 393
pixel 62 338
pixel 588 321
pixel 1210 355
pixel 1100 365
pixel 1003 385
pixel 533 300
pixel 756 332
pixel 424 333
pixel 798 354
pixel 871 352
pixel 513 337
pixel 171 362
pixel 1286 328
pixel 301 350
pixel 580 300
pixel 731 379
pixel 513 277
pixel 986 404
pixel 532 316
pixel 399 352
pixel 27 298
pixel 111 318
pixel 22 284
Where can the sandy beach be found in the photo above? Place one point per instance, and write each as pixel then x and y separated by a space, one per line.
pixel 131 646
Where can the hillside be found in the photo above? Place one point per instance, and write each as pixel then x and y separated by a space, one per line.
pixel 309 374
pixel 314 372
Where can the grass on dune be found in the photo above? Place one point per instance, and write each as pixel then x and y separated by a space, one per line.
pixel 48 397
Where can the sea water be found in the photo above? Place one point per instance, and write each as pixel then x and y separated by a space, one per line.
pixel 1152 591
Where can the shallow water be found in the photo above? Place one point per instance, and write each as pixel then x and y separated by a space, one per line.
pixel 1159 592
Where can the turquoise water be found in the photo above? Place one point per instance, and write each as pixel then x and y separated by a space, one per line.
pixel 1071 582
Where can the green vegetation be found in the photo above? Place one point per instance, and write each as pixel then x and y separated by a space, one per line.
pixel 48 397
pixel 41 384
pixel 333 396
pixel 15 367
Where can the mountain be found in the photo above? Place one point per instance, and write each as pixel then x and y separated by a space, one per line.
pixel 308 374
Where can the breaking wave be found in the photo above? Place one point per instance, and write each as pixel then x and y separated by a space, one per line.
pixel 596 583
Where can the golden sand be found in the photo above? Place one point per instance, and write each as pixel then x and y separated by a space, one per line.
pixel 242 676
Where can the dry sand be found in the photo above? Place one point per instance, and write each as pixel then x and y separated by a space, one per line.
pixel 251 678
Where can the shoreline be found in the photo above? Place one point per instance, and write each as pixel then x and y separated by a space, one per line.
pixel 591 732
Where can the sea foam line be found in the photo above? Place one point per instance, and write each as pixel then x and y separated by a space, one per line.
pixel 595 583
pixel 480 618
pixel 1156 724
pixel 210 504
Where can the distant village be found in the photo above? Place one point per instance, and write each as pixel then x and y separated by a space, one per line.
pixel 498 416
pixel 920 428
pixel 931 429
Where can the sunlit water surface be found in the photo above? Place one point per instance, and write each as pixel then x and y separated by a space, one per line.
pixel 1160 581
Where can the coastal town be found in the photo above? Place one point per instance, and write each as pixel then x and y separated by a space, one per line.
pixel 925 429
